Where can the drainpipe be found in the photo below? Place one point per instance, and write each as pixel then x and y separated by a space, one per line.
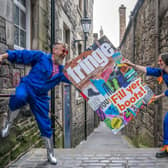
pixel 85 45
pixel 53 90
pixel 158 113
pixel 133 37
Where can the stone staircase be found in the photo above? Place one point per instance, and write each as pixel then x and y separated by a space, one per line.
pixel 101 150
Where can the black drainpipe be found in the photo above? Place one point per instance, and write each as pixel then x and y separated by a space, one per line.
pixel 53 90
pixel 133 37
pixel 85 46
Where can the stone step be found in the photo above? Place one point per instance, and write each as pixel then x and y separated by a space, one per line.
pixel 101 150
pixel 72 158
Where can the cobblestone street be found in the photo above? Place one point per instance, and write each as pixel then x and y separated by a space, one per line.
pixel 101 150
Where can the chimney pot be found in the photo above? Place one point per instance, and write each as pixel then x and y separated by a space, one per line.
pixel 122 15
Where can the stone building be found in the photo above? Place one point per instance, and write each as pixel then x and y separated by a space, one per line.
pixel 26 24
pixel 146 36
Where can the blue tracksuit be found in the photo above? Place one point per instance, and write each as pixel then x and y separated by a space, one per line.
pixel 34 87
pixel 158 72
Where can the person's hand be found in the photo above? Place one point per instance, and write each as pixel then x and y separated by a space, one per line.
pixel 69 61
pixel 155 98
pixel 126 61
pixel 152 100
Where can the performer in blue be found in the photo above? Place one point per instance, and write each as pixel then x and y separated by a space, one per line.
pixel 46 73
pixel 162 74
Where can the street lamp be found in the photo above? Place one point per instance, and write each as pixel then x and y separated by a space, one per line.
pixel 86 25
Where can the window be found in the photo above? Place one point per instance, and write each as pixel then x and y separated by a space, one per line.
pixel 21 14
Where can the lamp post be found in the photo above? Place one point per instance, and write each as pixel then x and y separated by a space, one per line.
pixel 86 23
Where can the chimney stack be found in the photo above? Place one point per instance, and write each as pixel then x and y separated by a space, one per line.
pixel 101 31
pixel 122 13
pixel 95 37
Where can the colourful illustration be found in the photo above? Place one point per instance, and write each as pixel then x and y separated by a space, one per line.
pixel 112 89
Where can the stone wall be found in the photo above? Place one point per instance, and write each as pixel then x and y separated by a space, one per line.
pixel 24 133
pixel 141 43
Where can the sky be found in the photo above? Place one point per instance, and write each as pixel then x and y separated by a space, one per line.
pixel 106 14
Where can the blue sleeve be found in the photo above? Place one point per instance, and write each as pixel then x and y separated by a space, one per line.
pixel 64 79
pixel 24 56
pixel 166 93
pixel 153 71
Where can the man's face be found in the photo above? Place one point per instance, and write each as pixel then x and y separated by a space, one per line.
pixel 59 53
pixel 161 63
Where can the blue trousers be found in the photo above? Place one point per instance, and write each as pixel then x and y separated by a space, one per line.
pixel 165 142
pixel 39 105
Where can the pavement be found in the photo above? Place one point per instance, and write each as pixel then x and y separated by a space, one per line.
pixel 101 150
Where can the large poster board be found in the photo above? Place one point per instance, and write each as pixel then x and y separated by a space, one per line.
pixel 113 90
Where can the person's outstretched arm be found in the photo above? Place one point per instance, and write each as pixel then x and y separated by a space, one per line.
pixel 135 66
pixel 149 71
pixel 22 56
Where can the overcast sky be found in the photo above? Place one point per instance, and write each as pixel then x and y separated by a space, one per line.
pixel 106 14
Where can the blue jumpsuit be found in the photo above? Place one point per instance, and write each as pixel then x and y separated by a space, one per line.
pixel 33 88
pixel 157 72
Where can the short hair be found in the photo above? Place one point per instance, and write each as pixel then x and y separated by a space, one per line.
pixel 65 45
pixel 164 57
